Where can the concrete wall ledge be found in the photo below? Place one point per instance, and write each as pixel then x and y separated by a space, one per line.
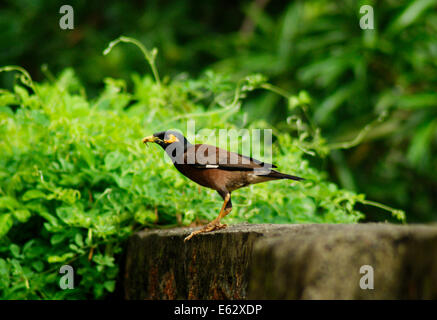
pixel 267 261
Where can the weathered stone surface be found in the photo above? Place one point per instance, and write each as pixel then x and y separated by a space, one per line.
pixel 283 262
pixel 324 261
pixel 160 265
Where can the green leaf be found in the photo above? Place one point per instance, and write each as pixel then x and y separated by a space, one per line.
pixel 410 15
pixel 332 103
pixel 15 250
pixel 6 222
pixel 113 160
pixel 419 152
pixel 62 258
pixel 4 274
pixel 104 260
pixel 78 239
pixel 38 266
pixel 417 101
pixel 22 93
pixel 58 238
pixel 22 215
pixel 65 213
pixel 51 219
pixel 33 194
pixel 145 216
pixel 109 285
pixel 8 203
pixel 87 154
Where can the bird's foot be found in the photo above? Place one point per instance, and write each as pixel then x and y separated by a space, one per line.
pixel 212 226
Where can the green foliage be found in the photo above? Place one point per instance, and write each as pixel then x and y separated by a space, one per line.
pixel 353 76
pixel 76 181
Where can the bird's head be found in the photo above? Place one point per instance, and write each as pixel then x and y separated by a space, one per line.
pixel 168 138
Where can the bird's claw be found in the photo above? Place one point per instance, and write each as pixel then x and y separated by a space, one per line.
pixel 208 228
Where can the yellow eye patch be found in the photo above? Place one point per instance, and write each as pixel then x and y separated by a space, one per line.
pixel 171 139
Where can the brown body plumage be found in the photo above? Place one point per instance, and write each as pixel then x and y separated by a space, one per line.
pixel 229 176
pixel 215 168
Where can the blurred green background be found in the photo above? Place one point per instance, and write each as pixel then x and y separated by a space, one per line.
pixel 352 75
pixel 359 121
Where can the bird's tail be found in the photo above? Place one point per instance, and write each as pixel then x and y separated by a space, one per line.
pixel 279 175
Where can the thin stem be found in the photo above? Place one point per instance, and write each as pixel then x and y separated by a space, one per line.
pixel 360 136
pixel 149 55
pixel 276 90
pixel 26 78
pixel 397 213
pixel 233 105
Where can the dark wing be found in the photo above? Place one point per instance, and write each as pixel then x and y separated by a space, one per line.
pixel 210 157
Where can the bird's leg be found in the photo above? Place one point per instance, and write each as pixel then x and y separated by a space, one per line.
pixel 215 224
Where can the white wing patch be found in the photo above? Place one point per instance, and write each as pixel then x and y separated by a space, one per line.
pixel 211 166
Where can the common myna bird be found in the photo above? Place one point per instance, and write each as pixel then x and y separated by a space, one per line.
pixel 215 168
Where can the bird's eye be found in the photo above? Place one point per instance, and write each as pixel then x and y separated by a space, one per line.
pixel 171 139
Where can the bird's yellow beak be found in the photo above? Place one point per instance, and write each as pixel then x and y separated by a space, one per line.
pixel 150 139
pixel 170 140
